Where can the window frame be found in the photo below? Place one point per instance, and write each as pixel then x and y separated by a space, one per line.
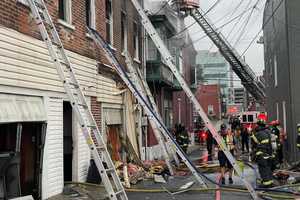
pixel 92 14
pixel 136 41
pixel 67 21
pixel 109 21
pixel 124 41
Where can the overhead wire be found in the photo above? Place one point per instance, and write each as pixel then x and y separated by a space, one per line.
pixel 189 26
pixel 263 26
pixel 231 14
pixel 162 7
pixel 205 35
pixel 246 24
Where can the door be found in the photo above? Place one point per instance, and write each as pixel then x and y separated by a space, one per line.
pixel 68 141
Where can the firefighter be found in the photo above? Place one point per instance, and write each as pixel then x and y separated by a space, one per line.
pixel 182 137
pixel 209 144
pixel 223 161
pixel 277 143
pixel 263 151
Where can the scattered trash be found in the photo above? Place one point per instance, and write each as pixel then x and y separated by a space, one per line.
pixel 187 185
pixel 159 179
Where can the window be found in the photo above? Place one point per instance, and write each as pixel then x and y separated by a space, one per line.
pixel 210 109
pixel 250 118
pixel 90 13
pixel 123 31
pixel 136 42
pixel 275 71
pixel 65 10
pixel 109 21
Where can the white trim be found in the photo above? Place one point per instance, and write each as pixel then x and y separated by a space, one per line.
pixel 277 110
pixel 93 14
pixel 284 115
pixel 111 24
pixel 275 72
pixel 66 24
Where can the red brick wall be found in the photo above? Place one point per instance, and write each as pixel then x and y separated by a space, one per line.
pixel 189 59
pixel 209 95
pixel 96 111
pixel 16 16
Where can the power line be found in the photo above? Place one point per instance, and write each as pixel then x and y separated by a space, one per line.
pixel 205 35
pixel 246 23
pixel 162 7
pixel 263 26
pixel 189 26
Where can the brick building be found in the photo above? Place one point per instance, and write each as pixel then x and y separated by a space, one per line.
pixel 209 97
pixel 33 100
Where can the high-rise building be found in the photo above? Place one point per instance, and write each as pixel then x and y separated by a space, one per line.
pixel 215 69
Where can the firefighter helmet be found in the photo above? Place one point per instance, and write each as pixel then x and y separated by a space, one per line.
pixel 275 123
pixel 262 119
pixel 223 126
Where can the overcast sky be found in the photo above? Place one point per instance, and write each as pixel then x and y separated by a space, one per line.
pixel 225 11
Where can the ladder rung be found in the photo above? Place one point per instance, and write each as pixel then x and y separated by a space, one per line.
pixel 74 84
pixel 119 192
pixel 82 105
pixel 39 5
pixel 102 147
pixel 91 126
pixel 110 170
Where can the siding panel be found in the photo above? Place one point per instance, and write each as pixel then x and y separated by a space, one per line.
pixel 53 160
pixel 25 62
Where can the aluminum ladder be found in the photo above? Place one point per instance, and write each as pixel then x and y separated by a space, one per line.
pixel 255 86
pixel 145 21
pixel 142 86
pixel 65 70
pixel 109 54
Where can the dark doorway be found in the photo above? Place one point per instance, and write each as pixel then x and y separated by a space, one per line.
pixel 68 141
pixel 29 162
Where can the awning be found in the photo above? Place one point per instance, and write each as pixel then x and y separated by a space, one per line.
pixel 18 108
pixel 112 116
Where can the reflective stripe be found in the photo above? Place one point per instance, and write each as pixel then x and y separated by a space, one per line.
pixel 254 138
pixel 266 157
pixel 298 145
pixel 259 153
pixel 264 141
pixel 270 182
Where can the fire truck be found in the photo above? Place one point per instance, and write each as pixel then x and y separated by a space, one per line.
pixel 249 119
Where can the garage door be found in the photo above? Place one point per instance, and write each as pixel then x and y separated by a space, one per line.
pixel 18 108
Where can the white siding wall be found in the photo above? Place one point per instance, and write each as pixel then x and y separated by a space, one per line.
pixel 24 62
pixel 106 91
pixel 81 152
pixel 53 160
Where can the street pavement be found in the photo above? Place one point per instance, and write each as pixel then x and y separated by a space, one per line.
pixel 173 184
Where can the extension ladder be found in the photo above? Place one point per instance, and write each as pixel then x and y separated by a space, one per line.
pixel 252 84
pixel 142 101
pixel 77 99
pixel 167 57
pixel 145 91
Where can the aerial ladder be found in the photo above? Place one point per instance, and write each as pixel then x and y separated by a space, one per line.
pixel 145 21
pixel 254 85
pixel 90 130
